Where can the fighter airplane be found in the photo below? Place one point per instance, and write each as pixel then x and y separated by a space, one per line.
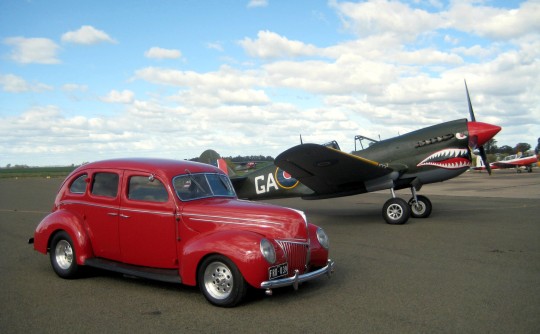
pixel 433 154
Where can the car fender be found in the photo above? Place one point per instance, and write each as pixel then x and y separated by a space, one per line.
pixel 241 247
pixel 62 220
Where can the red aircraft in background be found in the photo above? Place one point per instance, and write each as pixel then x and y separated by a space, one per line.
pixel 517 161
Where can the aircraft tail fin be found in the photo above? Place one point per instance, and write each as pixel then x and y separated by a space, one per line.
pixel 479 162
pixel 222 164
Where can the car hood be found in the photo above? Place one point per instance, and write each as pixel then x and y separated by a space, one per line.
pixel 271 221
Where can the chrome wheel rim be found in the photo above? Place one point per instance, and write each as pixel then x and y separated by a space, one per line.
pixel 63 254
pixel 394 211
pixel 218 280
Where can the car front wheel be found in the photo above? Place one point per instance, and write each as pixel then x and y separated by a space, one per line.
pixel 221 282
pixel 62 254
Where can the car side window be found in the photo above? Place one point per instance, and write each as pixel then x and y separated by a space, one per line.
pixel 79 185
pixel 105 184
pixel 144 188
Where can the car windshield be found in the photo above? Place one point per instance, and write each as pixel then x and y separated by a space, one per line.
pixel 194 186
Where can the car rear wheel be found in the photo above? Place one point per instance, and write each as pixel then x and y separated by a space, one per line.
pixel 62 255
pixel 221 282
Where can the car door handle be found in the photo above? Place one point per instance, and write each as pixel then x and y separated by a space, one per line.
pixel 123 216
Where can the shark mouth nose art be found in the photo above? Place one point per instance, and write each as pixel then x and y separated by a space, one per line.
pixel 451 158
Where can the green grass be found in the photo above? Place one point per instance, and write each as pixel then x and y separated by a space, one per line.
pixel 35 172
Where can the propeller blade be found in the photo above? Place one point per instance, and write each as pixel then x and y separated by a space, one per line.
pixel 471 112
pixel 484 159
pixel 479 133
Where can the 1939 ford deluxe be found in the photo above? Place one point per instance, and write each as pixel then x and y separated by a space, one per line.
pixel 178 221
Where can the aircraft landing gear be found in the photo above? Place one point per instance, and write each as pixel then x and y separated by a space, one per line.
pixel 396 211
pixel 420 205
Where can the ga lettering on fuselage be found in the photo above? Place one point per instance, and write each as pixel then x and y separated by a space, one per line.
pixel 264 181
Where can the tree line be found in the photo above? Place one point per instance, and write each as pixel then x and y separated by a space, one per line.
pixel 492 148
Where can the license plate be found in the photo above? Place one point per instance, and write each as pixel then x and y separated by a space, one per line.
pixel 278 271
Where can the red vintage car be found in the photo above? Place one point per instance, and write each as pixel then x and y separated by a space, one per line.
pixel 178 221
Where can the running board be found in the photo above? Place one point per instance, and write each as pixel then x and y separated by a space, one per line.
pixel 157 274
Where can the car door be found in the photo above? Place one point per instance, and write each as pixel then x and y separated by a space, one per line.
pixel 147 222
pixel 102 213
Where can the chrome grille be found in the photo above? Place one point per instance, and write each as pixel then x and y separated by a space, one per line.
pixel 297 255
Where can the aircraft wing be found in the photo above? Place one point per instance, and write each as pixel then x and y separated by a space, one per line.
pixel 515 162
pixel 333 173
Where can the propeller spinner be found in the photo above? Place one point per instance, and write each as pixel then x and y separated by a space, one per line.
pixel 480 133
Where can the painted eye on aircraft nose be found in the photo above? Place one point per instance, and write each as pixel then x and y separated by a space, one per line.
pixel 461 135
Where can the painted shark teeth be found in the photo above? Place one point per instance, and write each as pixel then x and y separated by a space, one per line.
pixel 450 158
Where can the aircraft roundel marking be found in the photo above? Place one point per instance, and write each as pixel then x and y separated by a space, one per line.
pixel 284 179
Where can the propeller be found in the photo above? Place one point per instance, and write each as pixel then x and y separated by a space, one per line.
pixel 480 133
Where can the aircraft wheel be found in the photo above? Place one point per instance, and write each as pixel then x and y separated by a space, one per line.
pixel 420 209
pixel 396 211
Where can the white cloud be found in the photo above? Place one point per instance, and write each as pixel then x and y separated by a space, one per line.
pixel 160 53
pixel 72 87
pixel 495 23
pixel 215 46
pixel 257 3
pixel 243 96
pixel 271 45
pixel 15 84
pixel 114 96
pixel 33 50
pixel 226 77
pixel 379 17
pixel 87 35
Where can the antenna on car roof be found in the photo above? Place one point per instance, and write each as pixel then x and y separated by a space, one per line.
pixel 301 142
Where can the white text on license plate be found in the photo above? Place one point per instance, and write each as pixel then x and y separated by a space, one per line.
pixel 278 271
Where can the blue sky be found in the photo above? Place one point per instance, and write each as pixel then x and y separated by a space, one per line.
pixel 89 80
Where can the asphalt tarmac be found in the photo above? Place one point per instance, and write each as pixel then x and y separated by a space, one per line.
pixel 472 267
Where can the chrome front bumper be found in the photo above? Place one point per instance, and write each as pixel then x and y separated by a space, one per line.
pixel 297 278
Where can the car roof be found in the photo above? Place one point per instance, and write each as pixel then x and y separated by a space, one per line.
pixel 164 167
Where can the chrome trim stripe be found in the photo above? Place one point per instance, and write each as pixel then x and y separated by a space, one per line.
pixel 164 213
pixel 90 204
pixel 228 220
pixel 294 241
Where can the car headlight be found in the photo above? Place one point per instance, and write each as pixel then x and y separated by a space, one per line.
pixel 268 251
pixel 323 238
